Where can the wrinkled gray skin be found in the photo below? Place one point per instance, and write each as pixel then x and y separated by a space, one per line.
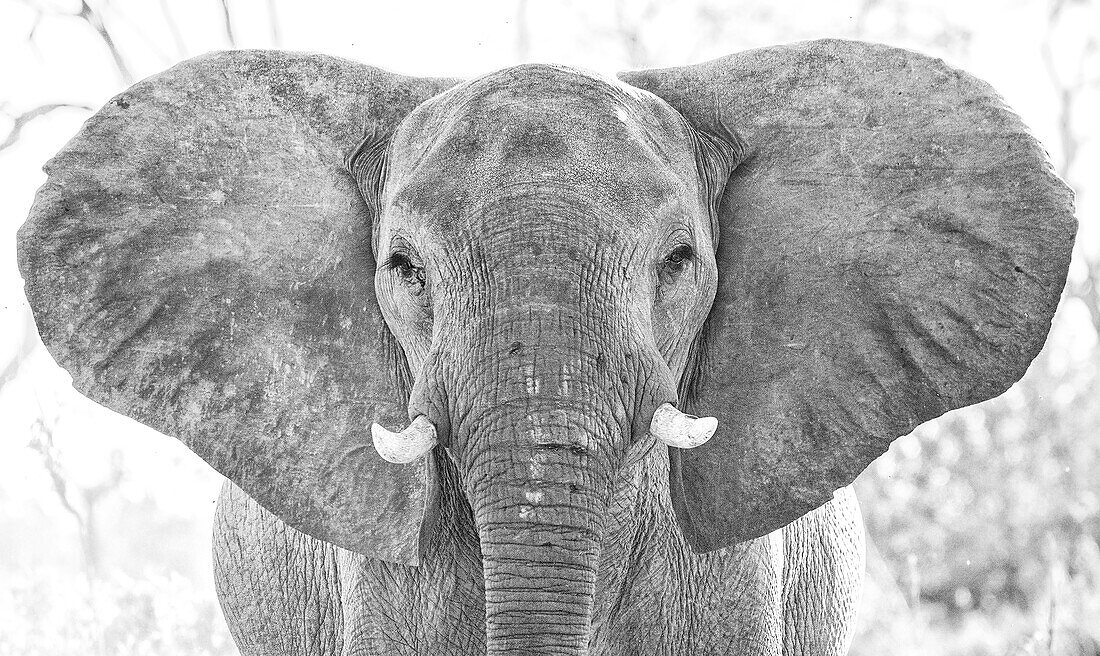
pixel 546 296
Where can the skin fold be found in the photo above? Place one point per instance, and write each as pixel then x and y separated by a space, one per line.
pixel 547 243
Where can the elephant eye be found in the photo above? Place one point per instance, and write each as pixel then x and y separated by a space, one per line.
pixel 678 258
pixel 673 265
pixel 402 265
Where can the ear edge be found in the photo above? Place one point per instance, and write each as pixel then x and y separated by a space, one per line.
pixel 717 154
pixel 368 163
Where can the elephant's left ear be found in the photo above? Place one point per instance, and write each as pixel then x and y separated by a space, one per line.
pixel 200 260
pixel 893 246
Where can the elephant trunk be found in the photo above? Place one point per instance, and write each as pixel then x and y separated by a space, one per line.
pixel 540 582
pixel 539 449
pixel 540 522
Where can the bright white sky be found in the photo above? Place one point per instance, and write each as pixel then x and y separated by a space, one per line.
pixel 67 63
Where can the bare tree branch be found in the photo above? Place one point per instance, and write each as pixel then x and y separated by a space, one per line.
pixel 173 29
pixel 227 21
pixel 863 12
pixel 43 445
pixel 273 18
pixel 154 44
pixel 90 497
pixel 629 31
pixel 93 18
pixel 523 32
pixel 26 344
pixel 20 121
pixel 1068 92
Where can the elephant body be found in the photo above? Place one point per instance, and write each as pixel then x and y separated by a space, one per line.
pixel 793 592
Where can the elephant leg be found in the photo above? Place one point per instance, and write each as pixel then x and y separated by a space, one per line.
pixel 823 561
pixel 278 587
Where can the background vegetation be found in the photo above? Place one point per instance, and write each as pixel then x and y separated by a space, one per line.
pixel 983 526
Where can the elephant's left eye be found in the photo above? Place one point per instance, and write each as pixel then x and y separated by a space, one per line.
pixel 402 265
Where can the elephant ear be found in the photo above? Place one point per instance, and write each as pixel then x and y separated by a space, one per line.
pixel 199 260
pixel 893 246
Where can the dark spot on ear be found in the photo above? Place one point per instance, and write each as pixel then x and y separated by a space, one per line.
pixel 515 348
pixel 872 120
pixel 121 102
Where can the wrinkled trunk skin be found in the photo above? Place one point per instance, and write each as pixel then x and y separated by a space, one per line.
pixel 540 580
pixel 540 541
pixel 539 447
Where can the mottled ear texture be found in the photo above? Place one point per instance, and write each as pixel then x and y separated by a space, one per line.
pixel 199 260
pixel 893 246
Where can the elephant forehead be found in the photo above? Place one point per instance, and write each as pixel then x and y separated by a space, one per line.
pixel 540 125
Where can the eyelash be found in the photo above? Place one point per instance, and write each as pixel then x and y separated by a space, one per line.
pixel 679 257
pixel 401 264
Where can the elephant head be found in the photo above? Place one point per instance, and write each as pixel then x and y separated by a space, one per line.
pixel 820 245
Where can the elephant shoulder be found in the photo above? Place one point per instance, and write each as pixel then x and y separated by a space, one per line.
pixel 279 588
pixel 823 562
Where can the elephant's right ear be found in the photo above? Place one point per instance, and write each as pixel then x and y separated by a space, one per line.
pixel 200 261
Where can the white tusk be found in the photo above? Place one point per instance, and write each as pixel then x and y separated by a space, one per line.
pixel 680 430
pixel 406 446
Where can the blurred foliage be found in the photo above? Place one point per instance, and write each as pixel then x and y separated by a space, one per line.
pixel 983 525
pixel 45 613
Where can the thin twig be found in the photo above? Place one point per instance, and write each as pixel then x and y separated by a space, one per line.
pixel 173 29
pixel 20 121
pixel 92 17
pixel 273 18
pixel 20 353
pixel 630 33
pixel 141 31
pixel 227 21
pixel 1067 92
pixel 43 444
pixel 523 32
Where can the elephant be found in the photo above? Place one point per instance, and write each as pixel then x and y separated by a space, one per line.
pixel 622 343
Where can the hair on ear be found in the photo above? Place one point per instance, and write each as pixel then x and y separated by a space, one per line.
pixel 717 154
pixel 368 165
